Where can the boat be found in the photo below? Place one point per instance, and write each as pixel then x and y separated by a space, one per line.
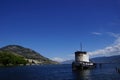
pixel 82 61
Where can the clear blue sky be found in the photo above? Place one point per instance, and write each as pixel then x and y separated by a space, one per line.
pixel 55 28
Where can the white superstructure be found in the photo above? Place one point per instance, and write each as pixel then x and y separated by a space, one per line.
pixel 81 56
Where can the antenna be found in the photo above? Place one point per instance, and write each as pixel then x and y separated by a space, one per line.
pixel 80 46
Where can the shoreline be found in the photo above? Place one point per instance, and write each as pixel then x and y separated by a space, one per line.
pixel 23 65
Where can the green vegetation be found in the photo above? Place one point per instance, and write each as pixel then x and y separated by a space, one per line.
pixel 28 54
pixel 8 58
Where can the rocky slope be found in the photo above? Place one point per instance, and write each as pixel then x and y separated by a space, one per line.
pixel 28 54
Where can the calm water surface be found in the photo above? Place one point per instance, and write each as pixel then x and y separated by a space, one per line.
pixel 59 72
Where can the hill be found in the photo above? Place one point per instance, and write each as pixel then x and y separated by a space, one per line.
pixel 67 62
pixel 30 55
pixel 110 59
pixel 7 58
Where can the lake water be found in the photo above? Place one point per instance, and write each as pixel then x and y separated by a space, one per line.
pixel 59 72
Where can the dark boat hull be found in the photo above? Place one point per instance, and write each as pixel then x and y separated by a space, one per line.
pixel 82 65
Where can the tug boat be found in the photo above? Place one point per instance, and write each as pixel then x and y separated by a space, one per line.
pixel 82 61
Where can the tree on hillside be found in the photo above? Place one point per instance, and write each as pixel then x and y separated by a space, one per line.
pixel 7 58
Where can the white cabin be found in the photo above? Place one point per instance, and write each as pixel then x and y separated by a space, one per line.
pixel 81 56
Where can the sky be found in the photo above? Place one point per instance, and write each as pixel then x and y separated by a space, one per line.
pixel 56 28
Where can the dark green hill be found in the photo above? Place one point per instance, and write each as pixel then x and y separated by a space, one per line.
pixel 7 58
pixel 28 54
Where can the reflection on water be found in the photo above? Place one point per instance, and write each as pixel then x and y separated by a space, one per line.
pixel 59 72
pixel 102 72
pixel 82 74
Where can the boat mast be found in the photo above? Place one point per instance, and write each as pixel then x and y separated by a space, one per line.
pixel 80 46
